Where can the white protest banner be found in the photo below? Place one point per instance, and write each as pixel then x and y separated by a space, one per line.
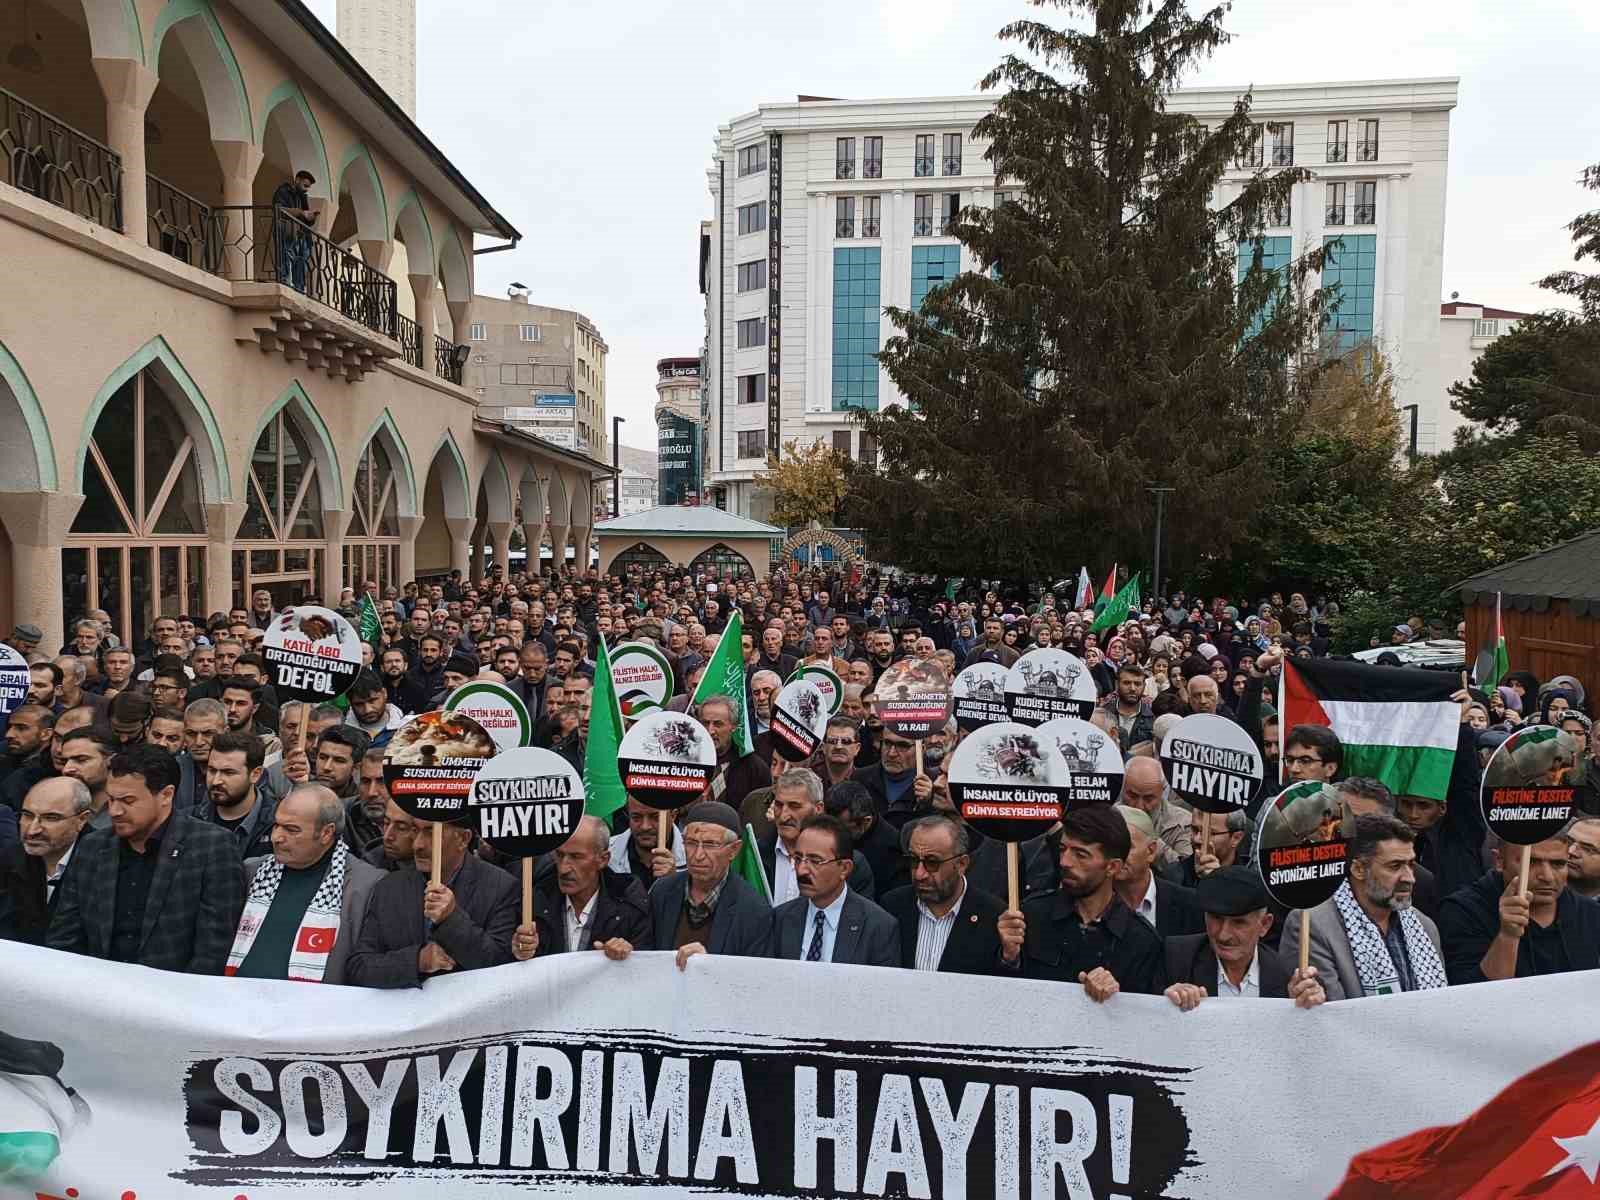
pixel 575 1076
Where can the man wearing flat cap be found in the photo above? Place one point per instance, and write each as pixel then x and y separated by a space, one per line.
pixel 704 908
pixel 1225 960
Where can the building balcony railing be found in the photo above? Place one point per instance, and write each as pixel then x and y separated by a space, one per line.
pixel 263 244
pixel 870 227
pixel 1283 156
pixel 1249 159
pixel 932 226
pixel 952 164
pixel 1338 151
pixel 1366 214
pixel 872 168
pixel 1334 215
pixel 844 227
pixel 448 362
pixel 923 165
pixel 409 334
pixel 1367 151
pixel 845 168
pixel 54 162
pixel 178 223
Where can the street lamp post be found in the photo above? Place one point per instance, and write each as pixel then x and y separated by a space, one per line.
pixel 1160 494
pixel 616 470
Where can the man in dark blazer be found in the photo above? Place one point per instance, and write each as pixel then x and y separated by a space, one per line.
pixel 584 905
pixel 158 888
pixel 704 909
pixel 1226 960
pixel 796 798
pixel 828 922
pixel 946 924
pixel 55 812
pixel 1168 908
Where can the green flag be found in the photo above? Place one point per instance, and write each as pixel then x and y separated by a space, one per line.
pixel 602 782
pixel 725 677
pixel 1117 609
pixel 747 864
pixel 371 632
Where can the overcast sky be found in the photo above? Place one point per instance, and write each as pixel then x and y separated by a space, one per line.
pixel 590 126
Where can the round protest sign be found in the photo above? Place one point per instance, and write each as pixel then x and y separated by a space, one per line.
pixel 1302 843
pixel 14 680
pixel 1094 764
pixel 827 681
pixel 1529 783
pixel 1008 781
pixel 913 698
pixel 526 801
pixel 642 676
pixel 1048 683
pixel 979 695
pixel 314 653
pixel 494 706
pixel 799 719
pixel 431 761
pixel 1212 763
pixel 666 759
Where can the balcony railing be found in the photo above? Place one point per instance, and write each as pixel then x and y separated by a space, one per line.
pixel 870 227
pixel 178 223
pixel 872 168
pixel 1366 214
pixel 924 165
pixel 57 164
pixel 922 227
pixel 845 168
pixel 1334 215
pixel 263 244
pixel 444 360
pixel 844 227
pixel 952 164
pixel 409 336
pixel 1283 156
pixel 1338 151
pixel 1367 151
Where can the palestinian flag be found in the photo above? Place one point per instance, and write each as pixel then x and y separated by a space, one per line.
pixel 1398 724
pixel 1494 662
pixel 1107 593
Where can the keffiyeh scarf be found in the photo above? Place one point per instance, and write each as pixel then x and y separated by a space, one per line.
pixel 319 926
pixel 1379 975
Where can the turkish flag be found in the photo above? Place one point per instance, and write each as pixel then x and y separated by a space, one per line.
pixel 315 939
pixel 1539 1137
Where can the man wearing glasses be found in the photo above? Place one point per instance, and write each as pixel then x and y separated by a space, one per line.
pixel 54 813
pixel 828 922
pixel 894 782
pixel 946 924
pixel 1583 857
pixel 703 909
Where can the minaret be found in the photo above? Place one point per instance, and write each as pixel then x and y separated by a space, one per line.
pixel 382 34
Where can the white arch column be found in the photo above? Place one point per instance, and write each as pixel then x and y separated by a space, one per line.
pixel 460 537
pixel 222 518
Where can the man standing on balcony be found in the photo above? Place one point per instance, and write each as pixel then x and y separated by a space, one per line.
pixel 292 199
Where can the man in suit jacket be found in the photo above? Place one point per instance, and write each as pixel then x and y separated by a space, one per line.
pixel 704 909
pixel 1226 960
pixel 307 847
pixel 158 888
pixel 946 924
pixel 583 905
pixel 55 812
pixel 828 922
pixel 1170 909
pixel 796 798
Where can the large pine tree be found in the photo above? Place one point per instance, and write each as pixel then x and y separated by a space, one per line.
pixel 1109 343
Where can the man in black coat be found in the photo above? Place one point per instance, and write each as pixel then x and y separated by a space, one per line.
pixel 704 909
pixel 158 888
pixel 828 922
pixel 414 928
pixel 737 774
pixel 1226 960
pixel 55 812
pixel 796 798
pixel 583 905
pixel 946 924
pixel 1170 909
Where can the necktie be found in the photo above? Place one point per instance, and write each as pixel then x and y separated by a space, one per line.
pixel 814 954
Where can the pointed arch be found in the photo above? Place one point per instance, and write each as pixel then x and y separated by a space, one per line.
pixel 198 32
pixel 384 428
pixel 495 487
pixel 39 464
pixel 114 30
pixel 530 494
pixel 412 221
pixel 457 497
pixel 215 480
pixel 301 132
pixel 455 270
pixel 310 423
pixel 366 190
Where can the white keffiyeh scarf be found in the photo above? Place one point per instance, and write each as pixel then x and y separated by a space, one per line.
pixel 319 926
pixel 1379 975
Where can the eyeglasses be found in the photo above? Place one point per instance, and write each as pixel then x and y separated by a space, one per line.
pixel 812 860
pixel 698 847
pixel 930 865
pixel 1303 760
pixel 888 745
pixel 840 741
pixel 1581 847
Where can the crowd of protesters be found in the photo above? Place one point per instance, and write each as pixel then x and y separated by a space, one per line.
pixel 160 806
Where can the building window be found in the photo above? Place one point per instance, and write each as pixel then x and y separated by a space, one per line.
pixel 752 332
pixel 1367 146
pixel 752 443
pixel 752 217
pixel 1278 214
pixel 869 450
pixel 752 159
pixel 870 224
pixel 1366 203
pixel 1338 141
pixel 753 275
pixel 752 389
pixel 924 163
pixel 1486 329
pixel 1282 143
pixel 844 158
pixel 1333 211
pixel 952 154
pixel 841 442
pixel 372 543
pixel 872 158
pixel 529 333
pixel 844 217
pixel 1251 156
pixel 1276 254
pixel 922 215
pixel 1351 267
pixel 517 374
pixel 949 206
pixel 476 332
pixel 856 311
pixel 931 267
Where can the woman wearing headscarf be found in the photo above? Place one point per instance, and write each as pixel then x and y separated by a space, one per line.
pixel 964 641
